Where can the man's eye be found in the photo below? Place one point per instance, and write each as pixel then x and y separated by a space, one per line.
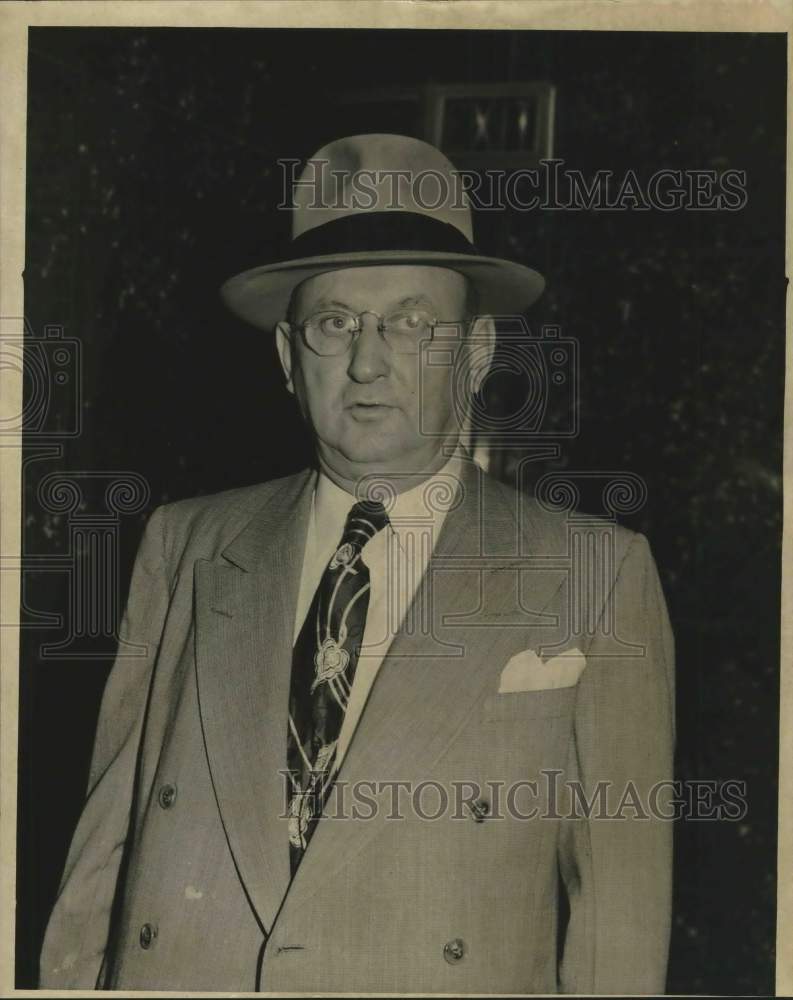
pixel 334 324
pixel 409 322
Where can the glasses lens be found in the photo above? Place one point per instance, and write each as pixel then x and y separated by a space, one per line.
pixel 405 330
pixel 329 332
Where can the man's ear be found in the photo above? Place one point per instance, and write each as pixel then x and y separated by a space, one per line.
pixel 481 347
pixel 283 341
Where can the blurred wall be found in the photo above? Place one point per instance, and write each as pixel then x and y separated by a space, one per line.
pixel 151 179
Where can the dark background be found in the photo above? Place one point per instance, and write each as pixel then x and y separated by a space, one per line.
pixel 151 178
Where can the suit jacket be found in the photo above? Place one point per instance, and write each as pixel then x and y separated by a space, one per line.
pixel 178 873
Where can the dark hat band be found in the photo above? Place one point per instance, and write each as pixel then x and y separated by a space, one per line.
pixel 380 231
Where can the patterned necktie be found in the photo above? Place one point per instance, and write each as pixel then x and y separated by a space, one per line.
pixel 323 666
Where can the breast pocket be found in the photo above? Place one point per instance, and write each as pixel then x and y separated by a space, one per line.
pixel 551 704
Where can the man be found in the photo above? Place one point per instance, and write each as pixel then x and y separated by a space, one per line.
pixel 346 759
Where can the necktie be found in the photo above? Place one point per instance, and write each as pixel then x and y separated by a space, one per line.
pixel 323 667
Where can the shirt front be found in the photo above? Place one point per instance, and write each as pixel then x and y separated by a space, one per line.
pixel 397 558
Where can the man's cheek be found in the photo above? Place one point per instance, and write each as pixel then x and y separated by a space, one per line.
pixel 435 402
pixel 317 392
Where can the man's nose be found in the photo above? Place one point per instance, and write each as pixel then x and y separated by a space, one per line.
pixel 369 353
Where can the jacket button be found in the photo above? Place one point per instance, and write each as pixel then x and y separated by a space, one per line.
pixel 167 796
pixel 147 936
pixel 480 809
pixel 453 951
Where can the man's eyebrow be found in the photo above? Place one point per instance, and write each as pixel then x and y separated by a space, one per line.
pixel 414 300
pixel 410 300
pixel 330 304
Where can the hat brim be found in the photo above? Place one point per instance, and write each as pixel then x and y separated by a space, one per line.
pixel 261 295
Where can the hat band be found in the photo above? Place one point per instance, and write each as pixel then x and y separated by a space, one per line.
pixel 380 231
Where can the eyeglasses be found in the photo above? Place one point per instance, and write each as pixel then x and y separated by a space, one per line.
pixel 332 331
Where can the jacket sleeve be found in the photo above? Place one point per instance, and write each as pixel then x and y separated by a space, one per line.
pixel 616 855
pixel 77 933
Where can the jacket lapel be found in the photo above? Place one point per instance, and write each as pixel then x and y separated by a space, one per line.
pixel 402 731
pixel 245 607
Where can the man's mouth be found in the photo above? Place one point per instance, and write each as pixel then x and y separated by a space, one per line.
pixel 364 409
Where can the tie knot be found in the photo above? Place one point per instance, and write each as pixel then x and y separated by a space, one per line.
pixel 365 519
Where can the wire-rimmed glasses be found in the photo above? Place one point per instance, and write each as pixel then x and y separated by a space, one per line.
pixel 331 332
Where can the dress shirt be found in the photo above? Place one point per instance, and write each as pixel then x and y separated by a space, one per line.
pixel 397 558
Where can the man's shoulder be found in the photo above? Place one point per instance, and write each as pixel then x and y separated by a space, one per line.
pixel 550 525
pixel 240 498
pixel 215 518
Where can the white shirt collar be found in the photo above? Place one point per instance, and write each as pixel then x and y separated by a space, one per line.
pixel 420 505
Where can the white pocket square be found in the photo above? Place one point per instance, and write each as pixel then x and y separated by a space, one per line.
pixel 525 671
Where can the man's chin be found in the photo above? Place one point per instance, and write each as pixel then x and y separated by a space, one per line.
pixel 375 447
pixel 373 453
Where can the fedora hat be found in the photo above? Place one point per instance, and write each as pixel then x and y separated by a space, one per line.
pixel 379 199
